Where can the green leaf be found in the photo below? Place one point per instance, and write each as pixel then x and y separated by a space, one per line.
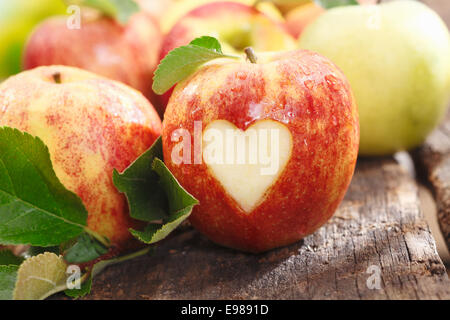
pixel 34 251
pixel 98 268
pixel 84 250
pixel 84 290
pixel 154 233
pixel 181 204
pixel 8 258
pixel 146 177
pixel 40 277
pixel 121 10
pixel 328 4
pixel 179 198
pixel 35 208
pixel 8 276
pixel 208 43
pixel 44 275
pixel 146 199
pixel 183 61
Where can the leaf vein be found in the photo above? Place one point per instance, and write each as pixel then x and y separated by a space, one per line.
pixel 54 215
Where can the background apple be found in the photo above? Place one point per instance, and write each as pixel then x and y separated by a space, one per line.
pixel 129 54
pixel 157 8
pixel 91 125
pixel 17 19
pixel 305 98
pixel 397 59
pixel 235 25
pixel 287 5
pixel 298 18
pixel 179 8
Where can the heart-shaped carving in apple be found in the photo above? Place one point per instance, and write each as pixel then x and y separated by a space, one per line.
pixel 268 147
pixel 245 179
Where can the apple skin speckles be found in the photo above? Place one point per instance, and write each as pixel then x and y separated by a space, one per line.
pixel 312 98
pixel 129 54
pixel 91 125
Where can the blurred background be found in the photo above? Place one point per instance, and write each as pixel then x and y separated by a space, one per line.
pixel 17 19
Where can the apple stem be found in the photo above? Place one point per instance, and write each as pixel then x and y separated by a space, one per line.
pixel 57 77
pixel 103 240
pixel 250 54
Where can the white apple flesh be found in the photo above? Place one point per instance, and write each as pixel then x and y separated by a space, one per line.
pixel 255 163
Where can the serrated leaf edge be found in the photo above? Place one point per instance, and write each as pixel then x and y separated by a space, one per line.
pixel 14 131
pixel 215 54
pixel 57 287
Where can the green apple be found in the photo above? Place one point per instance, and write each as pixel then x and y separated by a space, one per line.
pixel 17 19
pixel 397 58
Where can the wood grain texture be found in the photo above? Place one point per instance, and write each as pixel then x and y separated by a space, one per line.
pixel 433 158
pixel 379 224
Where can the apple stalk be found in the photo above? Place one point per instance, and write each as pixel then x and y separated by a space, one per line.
pixel 251 56
pixel 57 77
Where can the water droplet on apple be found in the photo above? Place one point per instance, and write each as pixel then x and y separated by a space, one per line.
pixel 309 84
pixel 334 119
pixel 332 82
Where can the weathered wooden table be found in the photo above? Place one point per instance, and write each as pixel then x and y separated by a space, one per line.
pixel 379 233
pixel 378 228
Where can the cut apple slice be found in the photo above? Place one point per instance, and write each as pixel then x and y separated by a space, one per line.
pixel 247 163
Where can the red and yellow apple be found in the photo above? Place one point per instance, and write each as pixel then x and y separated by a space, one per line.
pixel 179 8
pixel 129 53
pixel 235 25
pixel 301 16
pixel 298 18
pixel 288 5
pixel 156 8
pixel 91 125
pixel 298 104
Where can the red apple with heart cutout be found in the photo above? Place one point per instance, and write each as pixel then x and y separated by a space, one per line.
pixel 268 146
